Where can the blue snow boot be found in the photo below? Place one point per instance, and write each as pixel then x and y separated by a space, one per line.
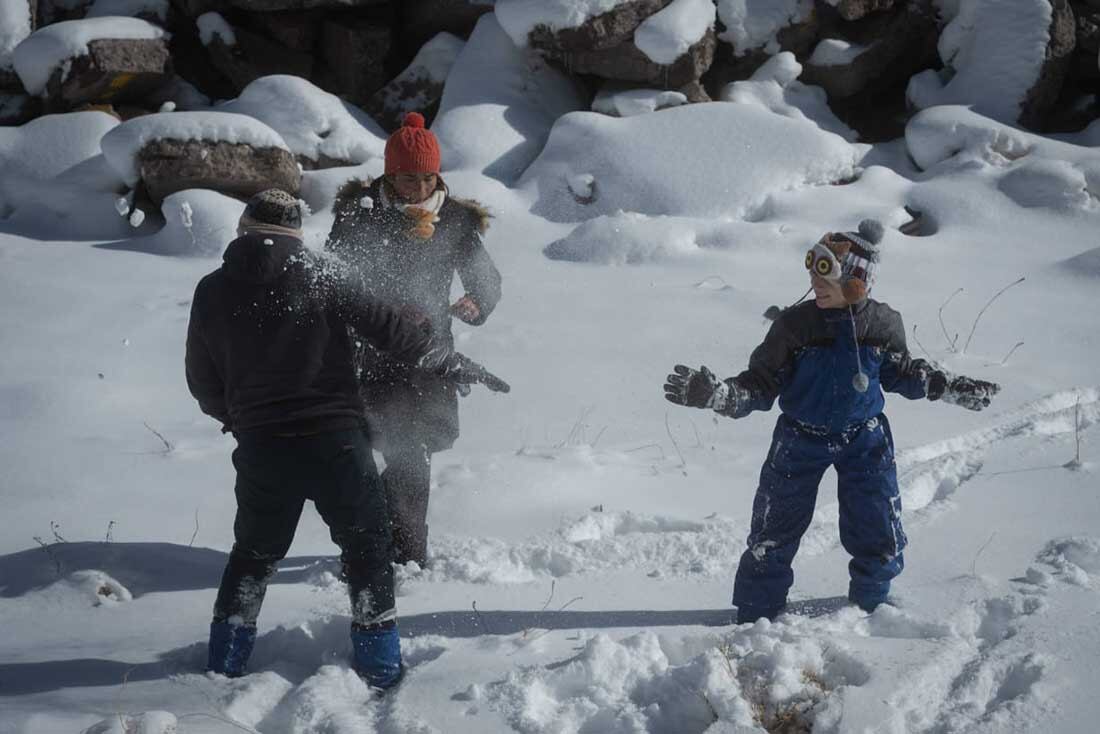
pixel 377 656
pixel 230 646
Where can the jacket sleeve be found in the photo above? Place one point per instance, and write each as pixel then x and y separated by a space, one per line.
pixel 900 373
pixel 380 324
pixel 480 277
pixel 757 387
pixel 203 379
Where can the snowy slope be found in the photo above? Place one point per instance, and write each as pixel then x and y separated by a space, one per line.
pixel 584 532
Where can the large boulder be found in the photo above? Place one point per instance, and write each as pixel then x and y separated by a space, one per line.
pixel 230 153
pixel 1007 61
pixel 877 53
pixel 264 6
pixel 247 56
pixel 856 9
pixel 653 42
pixel 298 30
pixel 355 54
pixel 1044 93
pixel 419 88
pixel 424 19
pixel 168 166
pixel 96 60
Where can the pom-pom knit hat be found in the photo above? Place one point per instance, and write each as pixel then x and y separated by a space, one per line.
pixel 412 148
pixel 850 258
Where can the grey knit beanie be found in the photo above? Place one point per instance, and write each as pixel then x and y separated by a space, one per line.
pixel 272 211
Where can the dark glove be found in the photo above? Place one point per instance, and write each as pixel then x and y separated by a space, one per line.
pixel 969 393
pixel 693 388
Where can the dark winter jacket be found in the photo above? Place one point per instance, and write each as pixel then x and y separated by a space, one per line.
pixel 268 347
pixel 808 360
pixel 413 276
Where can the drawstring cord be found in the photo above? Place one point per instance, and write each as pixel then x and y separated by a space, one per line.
pixel 860 382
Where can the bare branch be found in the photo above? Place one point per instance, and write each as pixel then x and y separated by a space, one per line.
pixel 987 305
pixel 155 432
pixel 1011 352
pixel 950 342
pixel 196 533
pixel 918 342
pixel 683 461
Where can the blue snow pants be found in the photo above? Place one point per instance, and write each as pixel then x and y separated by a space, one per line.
pixel 870 513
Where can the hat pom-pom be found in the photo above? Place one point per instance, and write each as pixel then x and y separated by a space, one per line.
pixel 871 230
pixel 413 119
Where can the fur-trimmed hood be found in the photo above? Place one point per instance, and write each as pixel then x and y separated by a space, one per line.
pixel 353 191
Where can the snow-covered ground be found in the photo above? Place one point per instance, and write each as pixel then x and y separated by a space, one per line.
pixel 585 532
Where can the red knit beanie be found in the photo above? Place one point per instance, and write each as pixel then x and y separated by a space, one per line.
pixel 412 148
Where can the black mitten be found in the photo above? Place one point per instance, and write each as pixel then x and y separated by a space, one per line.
pixel 693 388
pixel 969 393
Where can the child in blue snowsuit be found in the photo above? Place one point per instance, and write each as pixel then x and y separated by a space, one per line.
pixel 828 361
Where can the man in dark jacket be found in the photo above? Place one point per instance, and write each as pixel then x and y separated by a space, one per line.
pixel 828 362
pixel 406 238
pixel 269 356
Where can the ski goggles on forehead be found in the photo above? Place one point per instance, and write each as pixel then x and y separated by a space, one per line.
pixel 822 262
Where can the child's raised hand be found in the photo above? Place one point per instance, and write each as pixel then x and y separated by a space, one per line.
pixel 970 393
pixel 693 388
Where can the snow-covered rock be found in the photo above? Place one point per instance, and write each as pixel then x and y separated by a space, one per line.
pixel 197 222
pixel 48 49
pixel 998 58
pixel 420 86
pixel 213 25
pixel 149 722
pixel 752 24
pixel 519 17
pixel 670 33
pixel 46 146
pixel 15 25
pixel 321 129
pixel 499 105
pixel 775 86
pixel 698 160
pixel 242 154
pixel 619 101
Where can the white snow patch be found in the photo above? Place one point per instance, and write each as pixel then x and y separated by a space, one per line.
pixel 752 24
pixel 1076 559
pixel 212 25
pixel 614 100
pixel 312 122
pixel 122 145
pixel 128 8
pixel 15 25
pixel 668 34
pixel 775 87
pixel 699 160
pixel 150 722
pixel 47 49
pixel 835 52
pixel 519 17
pixel 49 145
pixel 499 105
pixel 197 222
pixel 993 52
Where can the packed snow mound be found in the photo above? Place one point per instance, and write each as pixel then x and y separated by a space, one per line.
pixel 752 24
pixel 758 676
pixel 15 25
pixel 197 222
pixel 313 123
pixel 155 8
pixel 47 49
pixel 775 87
pixel 1086 264
pixel 1034 171
pixel 668 34
pixel 499 104
pixel 49 145
pixel 619 101
pixel 519 17
pixel 122 145
pixel 701 160
pixel 150 722
pixel 212 25
pixel 1076 560
pixel 630 238
pixel 993 53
